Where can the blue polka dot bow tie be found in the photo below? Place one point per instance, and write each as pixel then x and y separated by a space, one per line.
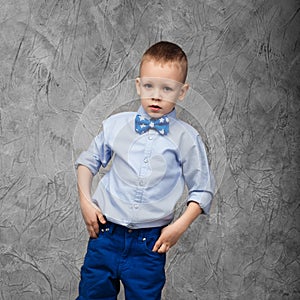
pixel 143 124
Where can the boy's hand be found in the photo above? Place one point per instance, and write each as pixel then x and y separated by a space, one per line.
pixel 171 234
pixel 90 212
pixel 168 238
pixel 92 215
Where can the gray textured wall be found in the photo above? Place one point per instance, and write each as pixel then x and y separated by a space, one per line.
pixel 55 59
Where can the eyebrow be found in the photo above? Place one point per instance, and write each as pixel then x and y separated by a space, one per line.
pixel 163 80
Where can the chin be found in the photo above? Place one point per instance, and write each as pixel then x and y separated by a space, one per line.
pixel 155 115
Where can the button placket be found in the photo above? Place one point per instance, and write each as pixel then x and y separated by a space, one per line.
pixel 149 139
pixel 147 155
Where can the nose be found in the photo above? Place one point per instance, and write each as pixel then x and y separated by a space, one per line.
pixel 156 95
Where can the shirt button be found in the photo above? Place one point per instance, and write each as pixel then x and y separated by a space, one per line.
pixel 141 183
pixel 150 137
pixel 129 230
pixel 146 160
pixel 136 206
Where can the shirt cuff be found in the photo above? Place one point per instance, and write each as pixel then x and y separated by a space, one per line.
pixel 87 160
pixel 203 198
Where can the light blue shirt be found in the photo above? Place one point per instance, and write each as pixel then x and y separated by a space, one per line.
pixel 149 171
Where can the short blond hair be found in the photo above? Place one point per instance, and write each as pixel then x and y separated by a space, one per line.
pixel 167 52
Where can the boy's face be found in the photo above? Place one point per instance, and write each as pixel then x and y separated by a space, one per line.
pixel 160 86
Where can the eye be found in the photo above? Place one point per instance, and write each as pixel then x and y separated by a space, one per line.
pixel 147 85
pixel 167 89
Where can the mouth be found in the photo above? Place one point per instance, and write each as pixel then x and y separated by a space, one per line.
pixel 154 108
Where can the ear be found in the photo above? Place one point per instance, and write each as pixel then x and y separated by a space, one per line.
pixel 183 91
pixel 138 85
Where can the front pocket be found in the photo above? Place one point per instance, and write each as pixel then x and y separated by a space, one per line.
pixel 148 244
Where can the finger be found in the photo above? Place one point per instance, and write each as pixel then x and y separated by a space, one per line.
pixel 156 246
pixel 93 235
pixel 92 232
pixel 94 228
pixel 162 249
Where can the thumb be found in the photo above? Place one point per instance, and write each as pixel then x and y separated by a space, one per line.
pixel 101 218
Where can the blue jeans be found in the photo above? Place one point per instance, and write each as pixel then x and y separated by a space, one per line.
pixel 123 254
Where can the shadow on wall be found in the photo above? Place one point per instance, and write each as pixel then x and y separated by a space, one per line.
pixel 56 57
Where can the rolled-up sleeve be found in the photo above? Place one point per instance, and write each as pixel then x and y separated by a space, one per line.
pixel 197 175
pixel 97 155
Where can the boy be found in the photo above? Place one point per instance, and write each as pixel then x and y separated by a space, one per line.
pixel 129 216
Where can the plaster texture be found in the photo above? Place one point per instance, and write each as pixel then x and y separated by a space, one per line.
pixel 63 67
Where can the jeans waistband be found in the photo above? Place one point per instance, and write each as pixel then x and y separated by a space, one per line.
pixel 111 227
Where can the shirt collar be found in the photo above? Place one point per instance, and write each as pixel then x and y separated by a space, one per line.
pixel 171 114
